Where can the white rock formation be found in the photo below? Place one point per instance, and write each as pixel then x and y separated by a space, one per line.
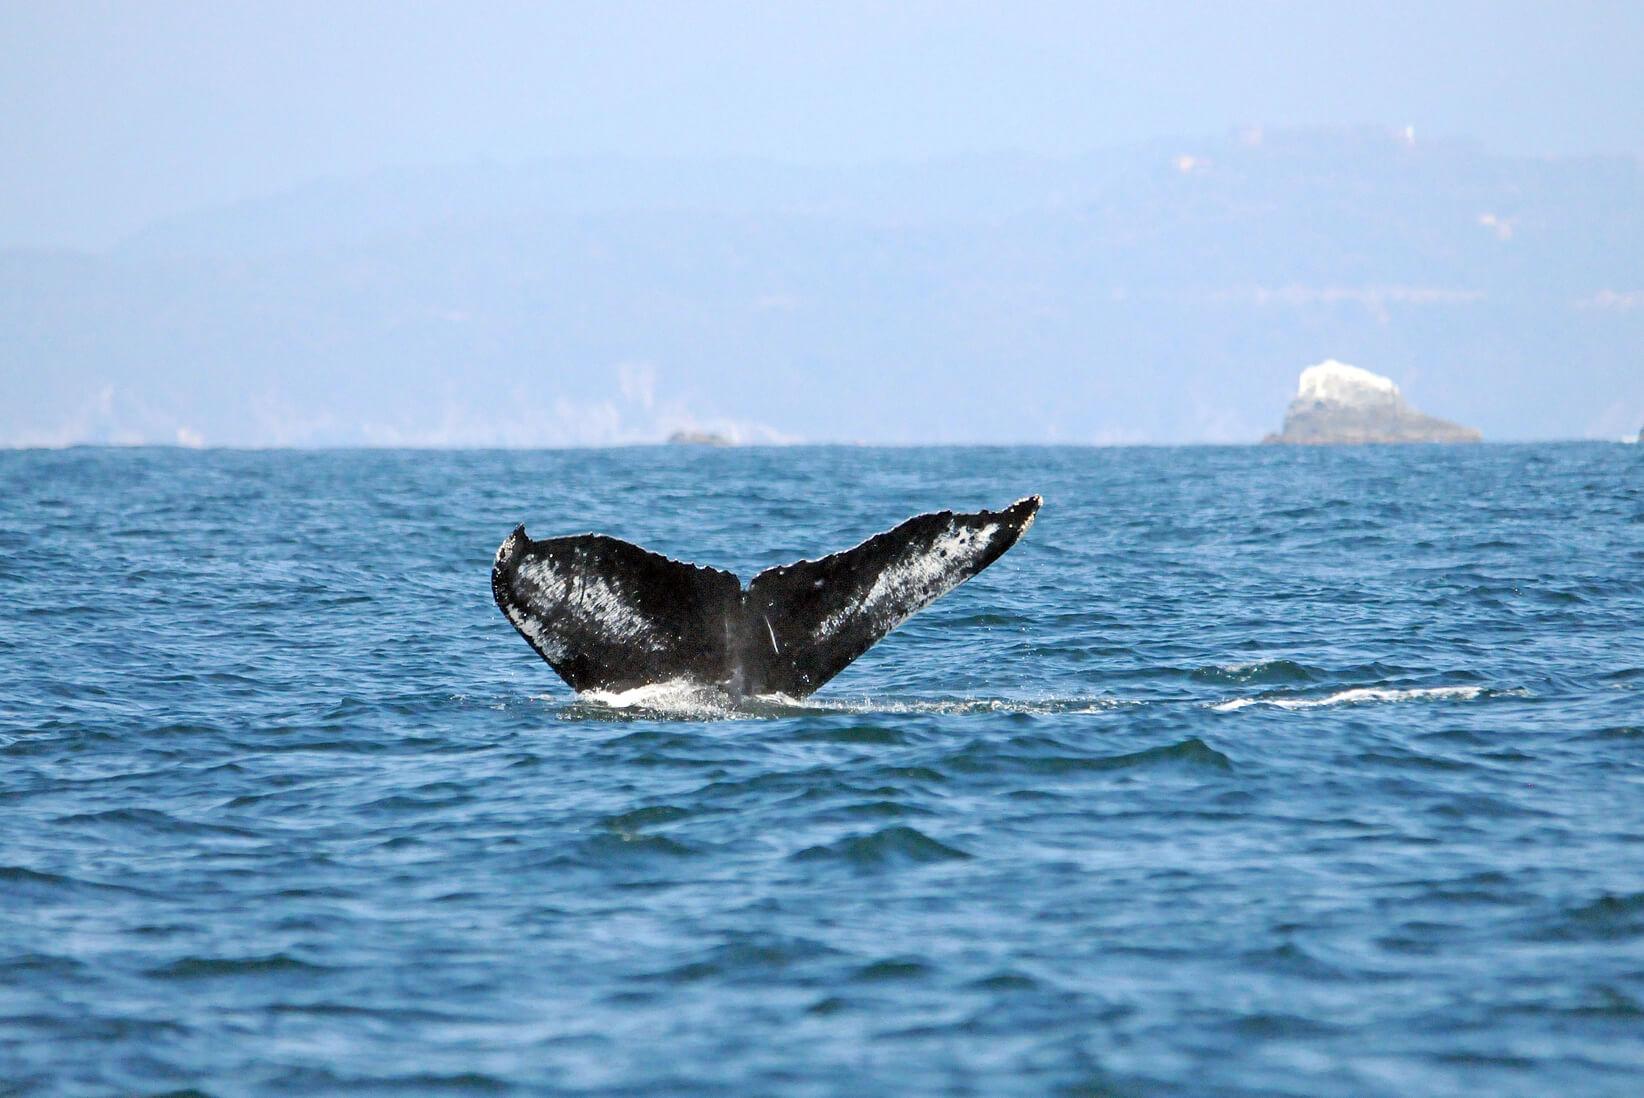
pixel 1338 403
pixel 1337 382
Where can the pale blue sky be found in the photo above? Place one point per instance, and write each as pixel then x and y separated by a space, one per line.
pixel 116 114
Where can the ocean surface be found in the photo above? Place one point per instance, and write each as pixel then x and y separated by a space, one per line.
pixel 1251 770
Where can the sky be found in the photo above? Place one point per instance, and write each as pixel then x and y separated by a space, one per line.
pixel 305 223
pixel 117 114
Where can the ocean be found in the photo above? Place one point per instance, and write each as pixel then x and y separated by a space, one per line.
pixel 1250 771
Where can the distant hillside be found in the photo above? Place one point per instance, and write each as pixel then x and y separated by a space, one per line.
pixel 1168 292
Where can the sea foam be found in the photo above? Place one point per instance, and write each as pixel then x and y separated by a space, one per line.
pixel 1357 696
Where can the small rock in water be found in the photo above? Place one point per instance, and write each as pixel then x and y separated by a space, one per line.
pixel 698 438
pixel 1338 403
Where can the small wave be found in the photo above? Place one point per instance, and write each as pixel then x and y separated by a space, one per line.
pixel 1262 671
pixel 900 845
pixel 147 821
pixel 1191 752
pixel 1006 980
pixel 1359 695
pixel 863 733
pixel 891 969
pixel 305 1080
pixel 1609 917
pixel 749 955
pixel 20 881
pixel 632 845
pixel 629 823
pixel 196 967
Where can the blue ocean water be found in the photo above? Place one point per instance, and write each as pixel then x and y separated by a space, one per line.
pixel 1249 771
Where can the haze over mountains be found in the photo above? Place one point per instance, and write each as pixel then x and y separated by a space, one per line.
pixel 1159 292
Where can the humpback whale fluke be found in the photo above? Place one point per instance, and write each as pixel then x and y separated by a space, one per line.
pixel 608 615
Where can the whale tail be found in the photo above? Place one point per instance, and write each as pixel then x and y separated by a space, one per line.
pixel 608 615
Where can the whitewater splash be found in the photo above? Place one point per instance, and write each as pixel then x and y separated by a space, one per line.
pixel 1357 696
pixel 681 699
pixel 675 699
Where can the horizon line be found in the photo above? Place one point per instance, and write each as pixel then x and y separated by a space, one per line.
pixel 805 445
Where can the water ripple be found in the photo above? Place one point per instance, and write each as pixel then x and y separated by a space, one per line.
pixel 1249 771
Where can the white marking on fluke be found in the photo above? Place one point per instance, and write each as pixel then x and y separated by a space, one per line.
pixel 600 604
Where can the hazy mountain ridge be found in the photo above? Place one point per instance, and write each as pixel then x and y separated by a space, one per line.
pixel 1152 293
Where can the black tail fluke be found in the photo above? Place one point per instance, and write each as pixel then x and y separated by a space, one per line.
pixel 608 615
pixel 822 614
